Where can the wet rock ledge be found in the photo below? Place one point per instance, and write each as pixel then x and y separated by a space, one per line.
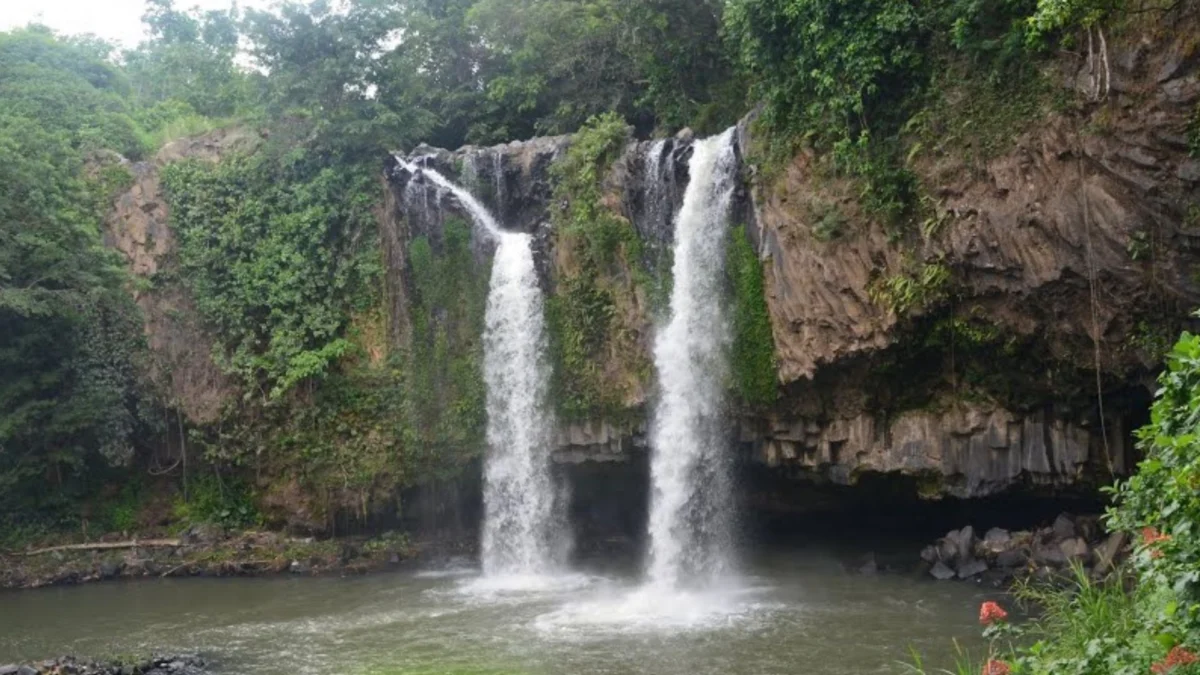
pixel 183 664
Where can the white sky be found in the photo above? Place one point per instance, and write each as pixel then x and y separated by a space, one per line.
pixel 116 20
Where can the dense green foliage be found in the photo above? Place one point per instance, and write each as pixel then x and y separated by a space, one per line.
pixel 187 67
pixel 581 311
pixel 849 78
pixel 1164 493
pixel 753 358
pixel 277 254
pixel 444 407
pixel 69 332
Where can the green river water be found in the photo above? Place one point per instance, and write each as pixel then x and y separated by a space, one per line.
pixel 797 612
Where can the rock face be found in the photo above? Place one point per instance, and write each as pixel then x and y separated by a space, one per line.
pixel 1025 232
pixel 971 450
pixel 1067 243
pixel 139 228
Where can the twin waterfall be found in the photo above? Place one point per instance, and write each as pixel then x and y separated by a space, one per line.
pixel 690 529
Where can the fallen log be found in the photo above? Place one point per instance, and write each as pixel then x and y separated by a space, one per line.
pixel 110 546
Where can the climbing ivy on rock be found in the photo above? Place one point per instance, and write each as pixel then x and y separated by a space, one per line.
pixel 277 253
pixel 445 397
pixel 753 363
pixel 596 248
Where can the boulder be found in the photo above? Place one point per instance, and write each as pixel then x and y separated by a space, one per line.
pixel 1074 549
pixel 1012 558
pixel 971 568
pixel 1063 527
pixel 27 670
pixel 996 578
pixel 941 572
pixel 10 669
pixel 963 542
pixel 997 540
pixel 946 549
pixel 1107 552
pixel 930 554
pixel 110 570
pixel 1048 554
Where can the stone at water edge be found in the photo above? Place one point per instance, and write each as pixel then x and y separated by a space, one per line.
pixel 1063 527
pixel 962 542
pixel 941 572
pixel 110 570
pixel 930 554
pixel 1048 553
pixel 1107 552
pixel 971 568
pixel 26 670
pixel 1012 558
pixel 8 670
pixel 1074 549
pixel 997 540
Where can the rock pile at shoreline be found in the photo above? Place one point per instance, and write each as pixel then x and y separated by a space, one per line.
pixel 1000 556
pixel 183 664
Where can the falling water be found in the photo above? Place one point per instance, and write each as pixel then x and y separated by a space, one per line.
pixel 520 528
pixel 519 493
pixel 498 169
pixel 661 192
pixel 689 519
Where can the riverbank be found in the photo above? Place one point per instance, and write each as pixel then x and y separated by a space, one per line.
pixel 202 552
pixel 183 664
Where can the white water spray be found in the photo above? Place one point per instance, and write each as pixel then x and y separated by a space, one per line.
pixel 690 529
pixel 520 533
pixel 519 527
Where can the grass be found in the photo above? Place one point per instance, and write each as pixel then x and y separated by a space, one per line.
pixel 1080 625
pixel 963 665
pixel 183 127
pixel 1079 611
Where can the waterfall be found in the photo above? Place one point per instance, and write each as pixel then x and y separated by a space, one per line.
pixel 660 191
pixel 520 528
pixel 498 169
pixel 690 528
pixel 519 525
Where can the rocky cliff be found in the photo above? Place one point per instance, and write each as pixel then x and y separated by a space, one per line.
pixel 1003 337
pixel 1007 338
pixel 139 228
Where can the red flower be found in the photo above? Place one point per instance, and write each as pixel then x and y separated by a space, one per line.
pixel 995 667
pixel 1151 536
pixel 1178 656
pixel 990 612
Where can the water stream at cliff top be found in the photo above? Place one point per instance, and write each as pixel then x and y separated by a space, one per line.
pixel 523 541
